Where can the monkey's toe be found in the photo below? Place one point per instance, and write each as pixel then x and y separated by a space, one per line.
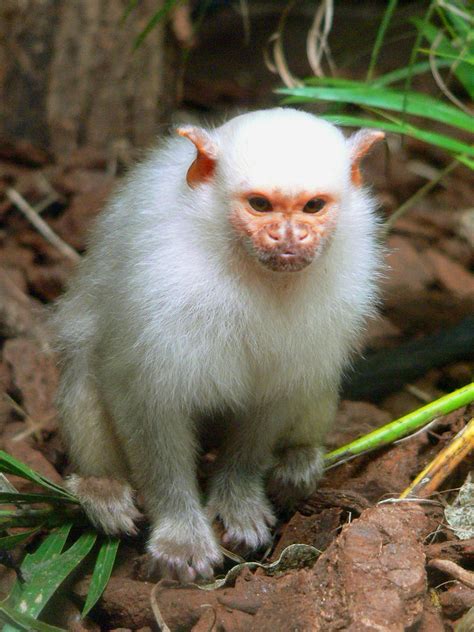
pixel 247 524
pixel 296 475
pixel 183 552
pixel 108 503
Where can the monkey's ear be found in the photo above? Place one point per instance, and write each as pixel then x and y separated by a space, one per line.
pixel 360 144
pixel 202 169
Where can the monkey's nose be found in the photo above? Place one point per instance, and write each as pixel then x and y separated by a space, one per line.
pixel 274 232
pixel 301 233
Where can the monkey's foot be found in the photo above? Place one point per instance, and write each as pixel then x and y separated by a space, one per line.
pixel 107 502
pixel 296 475
pixel 184 549
pixel 247 520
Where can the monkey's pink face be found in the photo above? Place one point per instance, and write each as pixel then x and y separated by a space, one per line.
pixel 284 232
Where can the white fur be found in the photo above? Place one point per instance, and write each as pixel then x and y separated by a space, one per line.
pixel 169 319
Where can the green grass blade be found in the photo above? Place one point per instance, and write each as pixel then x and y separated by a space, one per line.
pixel 467 59
pixel 402 73
pixel 49 518
pixel 387 16
pixel 461 26
pixel 19 621
pixel 128 9
pixel 10 541
pixel 49 549
pixel 19 498
pixel 102 571
pixel 10 465
pixel 404 426
pixel 158 16
pixel 410 102
pixel 462 71
pixel 439 140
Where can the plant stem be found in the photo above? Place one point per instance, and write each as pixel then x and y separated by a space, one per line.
pixel 418 195
pixel 402 426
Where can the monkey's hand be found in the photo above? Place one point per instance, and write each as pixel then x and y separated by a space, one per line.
pixel 184 548
pixel 245 513
pixel 296 475
pixel 107 502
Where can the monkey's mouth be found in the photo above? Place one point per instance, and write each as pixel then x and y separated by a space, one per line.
pixel 287 261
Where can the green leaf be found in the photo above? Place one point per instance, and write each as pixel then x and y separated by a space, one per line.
pixel 19 621
pixel 10 465
pixel 102 571
pixel 439 140
pixel 10 541
pixel 411 102
pixel 387 16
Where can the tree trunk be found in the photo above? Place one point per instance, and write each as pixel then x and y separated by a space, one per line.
pixel 68 76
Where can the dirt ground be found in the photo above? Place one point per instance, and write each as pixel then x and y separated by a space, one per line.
pixel 378 564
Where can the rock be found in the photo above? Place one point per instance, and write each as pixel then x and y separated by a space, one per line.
pixel 354 419
pixel 81 180
pixel 15 308
pixel 34 374
pixel 381 333
pixel 407 267
pixel 458 250
pixel 316 530
pixel 373 576
pixel 47 282
pixel 451 275
pixel 24 452
pixel 456 600
pixel 75 223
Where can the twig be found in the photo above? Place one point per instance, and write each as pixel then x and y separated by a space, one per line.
pixel 418 195
pixel 440 467
pixel 41 226
pixel 156 609
pixel 451 568
pixel 317 40
pixel 34 427
pixel 279 63
pixel 439 79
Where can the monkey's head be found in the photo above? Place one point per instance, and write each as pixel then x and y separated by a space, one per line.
pixel 283 177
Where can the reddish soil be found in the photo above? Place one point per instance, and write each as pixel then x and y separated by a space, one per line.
pixel 372 573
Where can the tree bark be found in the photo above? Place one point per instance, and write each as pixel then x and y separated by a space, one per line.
pixel 69 77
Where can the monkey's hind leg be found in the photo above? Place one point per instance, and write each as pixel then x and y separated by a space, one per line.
pixel 300 452
pixel 101 482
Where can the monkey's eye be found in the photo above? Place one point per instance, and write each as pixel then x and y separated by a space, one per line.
pixel 315 205
pixel 260 203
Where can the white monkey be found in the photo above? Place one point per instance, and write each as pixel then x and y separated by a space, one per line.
pixel 229 279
